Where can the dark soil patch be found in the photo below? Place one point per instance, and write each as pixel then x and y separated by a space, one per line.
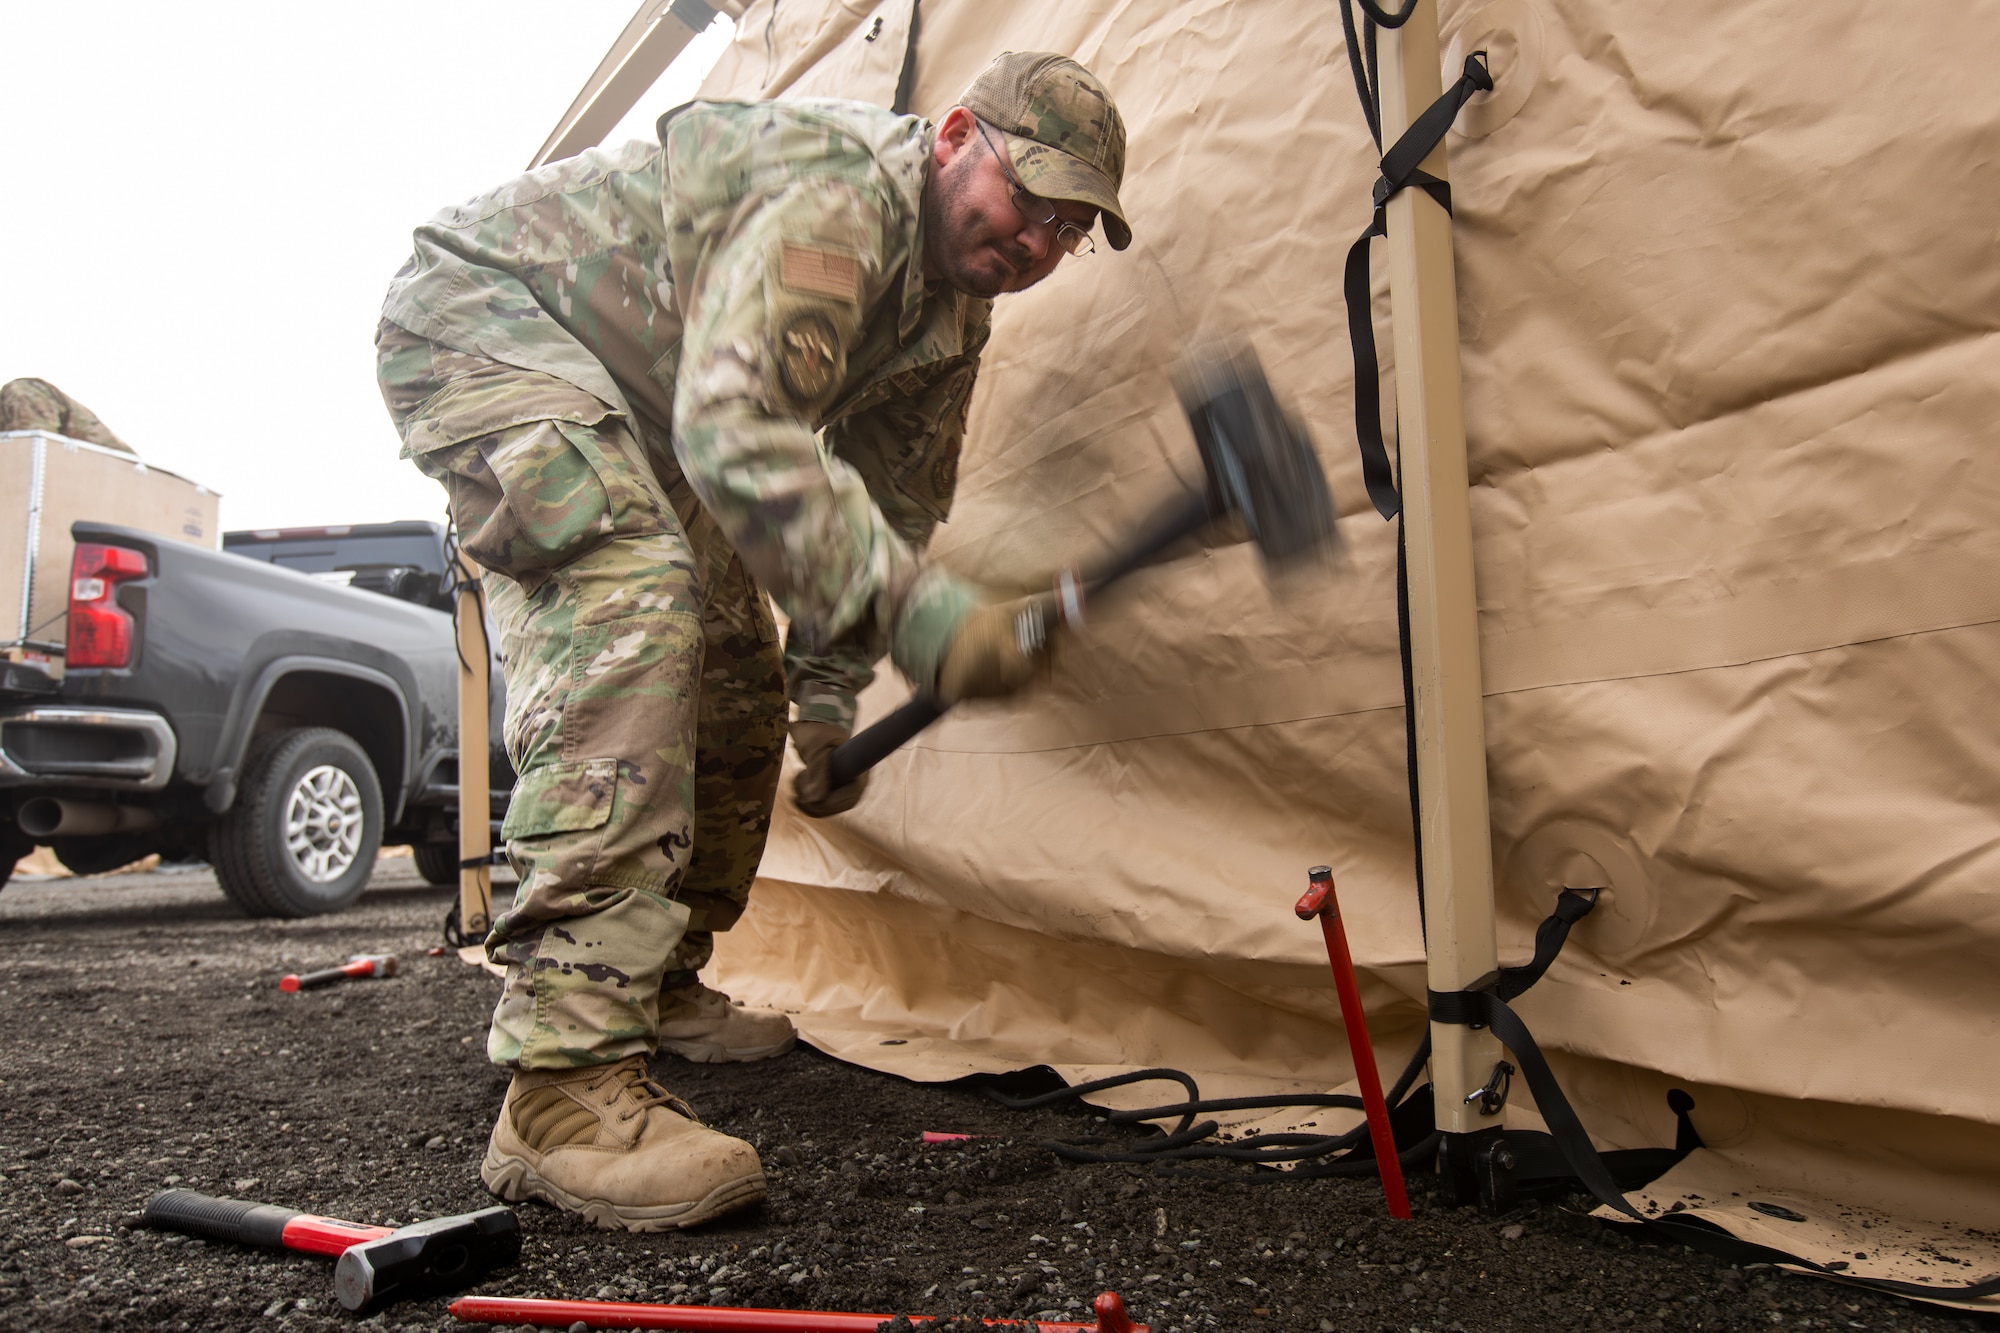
pixel 148 1046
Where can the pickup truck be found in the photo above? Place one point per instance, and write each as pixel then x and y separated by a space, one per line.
pixel 281 708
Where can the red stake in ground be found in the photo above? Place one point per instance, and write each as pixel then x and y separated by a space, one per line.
pixel 1320 902
pixel 1111 1317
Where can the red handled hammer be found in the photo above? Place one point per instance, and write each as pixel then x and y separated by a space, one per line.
pixel 361 965
pixel 376 1265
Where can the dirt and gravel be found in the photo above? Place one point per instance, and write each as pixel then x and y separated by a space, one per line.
pixel 148 1046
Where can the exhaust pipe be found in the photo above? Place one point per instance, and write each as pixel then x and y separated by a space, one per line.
pixel 52 817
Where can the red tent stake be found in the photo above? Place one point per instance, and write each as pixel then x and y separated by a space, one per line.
pixel 1320 902
pixel 1111 1317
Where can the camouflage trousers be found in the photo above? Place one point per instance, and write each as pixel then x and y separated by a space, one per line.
pixel 646 703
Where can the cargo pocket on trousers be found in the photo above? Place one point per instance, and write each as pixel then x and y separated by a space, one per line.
pixel 573 797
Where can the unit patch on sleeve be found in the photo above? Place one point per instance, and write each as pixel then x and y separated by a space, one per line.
pixel 808 356
pixel 819 271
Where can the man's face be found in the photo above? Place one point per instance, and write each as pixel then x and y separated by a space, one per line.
pixel 975 240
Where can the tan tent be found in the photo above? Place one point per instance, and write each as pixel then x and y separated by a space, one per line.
pixel 1729 286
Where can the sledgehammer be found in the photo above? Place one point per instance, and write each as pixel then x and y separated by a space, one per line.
pixel 376 1265
pixel 361 965
pixel 1258 463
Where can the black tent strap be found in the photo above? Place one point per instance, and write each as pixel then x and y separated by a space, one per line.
pixel 1485 1008
pixel 1400 171
pixel 1462 1008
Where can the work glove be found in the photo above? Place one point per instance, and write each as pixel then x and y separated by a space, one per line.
pixel 811 789
pixel 995 649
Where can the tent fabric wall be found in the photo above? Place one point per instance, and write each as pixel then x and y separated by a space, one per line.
pixel 1729 283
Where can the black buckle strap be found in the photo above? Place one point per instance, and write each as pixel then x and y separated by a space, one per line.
pixel 1486 1007
pixel 1462 1010
pixel 1588 1166
pixel 1399 172
pixel 1572 906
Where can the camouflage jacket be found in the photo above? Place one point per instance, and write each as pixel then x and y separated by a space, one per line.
pixel 753 286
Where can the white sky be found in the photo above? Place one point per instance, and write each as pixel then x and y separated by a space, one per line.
pixel 204 203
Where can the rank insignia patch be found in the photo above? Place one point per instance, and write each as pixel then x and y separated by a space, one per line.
pixel 808 356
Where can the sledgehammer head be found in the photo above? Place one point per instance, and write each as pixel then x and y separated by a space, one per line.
pixel 444 1254
pixel 1259 460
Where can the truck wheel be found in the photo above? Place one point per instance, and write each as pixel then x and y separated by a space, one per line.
pixel 302 837
pixel 437 862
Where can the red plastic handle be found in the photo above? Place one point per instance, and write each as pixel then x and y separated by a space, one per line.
pixel 328 1235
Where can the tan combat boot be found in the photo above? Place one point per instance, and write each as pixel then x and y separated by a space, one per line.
pixel 709 1028
pixel 608 1142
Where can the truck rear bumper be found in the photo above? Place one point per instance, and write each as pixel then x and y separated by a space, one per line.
pixel 128 749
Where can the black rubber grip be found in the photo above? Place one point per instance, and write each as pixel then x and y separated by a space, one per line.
pixel 326 976
pixel 1180 517
pixel 233 1220
pixel 881 740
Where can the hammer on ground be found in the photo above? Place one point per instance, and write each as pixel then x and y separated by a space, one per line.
pixel 375 1265
pixel 1258 464
pixel 361 965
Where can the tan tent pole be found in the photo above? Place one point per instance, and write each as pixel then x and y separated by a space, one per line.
pixel 475 813
pixel 1444 623
pixel 659 31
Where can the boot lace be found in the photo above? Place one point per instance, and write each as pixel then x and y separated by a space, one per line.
pixel 630 1076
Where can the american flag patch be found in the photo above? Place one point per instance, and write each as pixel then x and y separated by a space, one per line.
pixel 819 271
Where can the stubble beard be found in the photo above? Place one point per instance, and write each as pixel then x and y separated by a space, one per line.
pixel 954 240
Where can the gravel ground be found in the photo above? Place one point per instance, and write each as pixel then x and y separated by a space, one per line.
pixel 150 1047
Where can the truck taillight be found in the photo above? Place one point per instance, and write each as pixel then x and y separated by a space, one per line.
pixel 100 630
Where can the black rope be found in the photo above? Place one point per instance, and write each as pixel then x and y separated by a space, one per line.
pixel 456 580
pixel 454 935
pixel 1364 72
pixel 1189 1141
pixel 1410 722
pixel 1360 1165
pixel 1378 15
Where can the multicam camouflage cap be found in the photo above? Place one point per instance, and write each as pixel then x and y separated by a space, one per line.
pixel 1062 130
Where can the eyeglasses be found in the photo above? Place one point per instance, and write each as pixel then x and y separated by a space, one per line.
pixel 1039 212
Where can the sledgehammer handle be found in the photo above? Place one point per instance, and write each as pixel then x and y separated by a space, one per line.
pixel 262 1224
pixel 233 1220
pixel 884 738
pixel 1181 518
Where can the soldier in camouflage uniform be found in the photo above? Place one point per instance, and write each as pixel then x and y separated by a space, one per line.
pixel 658 383
pixel 30 404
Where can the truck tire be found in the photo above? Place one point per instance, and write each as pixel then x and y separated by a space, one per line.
pixel 437 862
pixel 302 838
